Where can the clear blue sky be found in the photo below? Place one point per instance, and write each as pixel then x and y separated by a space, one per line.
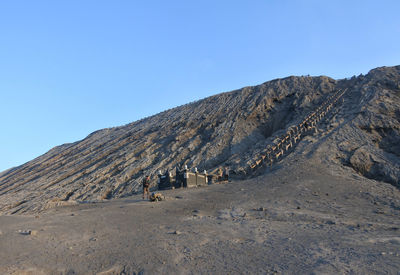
pixel 68 68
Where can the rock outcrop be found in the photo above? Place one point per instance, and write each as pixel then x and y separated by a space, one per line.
pixel 368 127
pixel 228 129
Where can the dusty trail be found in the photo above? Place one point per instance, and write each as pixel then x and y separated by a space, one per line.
pixel 305 221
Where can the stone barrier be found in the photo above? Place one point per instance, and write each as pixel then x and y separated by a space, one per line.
pixel 183 179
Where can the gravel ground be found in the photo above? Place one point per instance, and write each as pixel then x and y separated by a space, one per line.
pixel 309 220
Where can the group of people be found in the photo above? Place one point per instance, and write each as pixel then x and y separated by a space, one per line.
pixel 222 175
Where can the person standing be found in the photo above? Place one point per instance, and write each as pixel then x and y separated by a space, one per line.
pixel 226 174
pixel 219 174
pixel 178 177
pixel 146 185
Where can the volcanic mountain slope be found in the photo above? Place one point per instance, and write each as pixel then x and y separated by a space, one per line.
pixel 364 134
pixel 226 129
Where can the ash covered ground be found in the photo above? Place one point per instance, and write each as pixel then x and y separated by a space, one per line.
pixel 330 205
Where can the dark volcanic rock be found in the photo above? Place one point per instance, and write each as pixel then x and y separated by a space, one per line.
pixel 226 129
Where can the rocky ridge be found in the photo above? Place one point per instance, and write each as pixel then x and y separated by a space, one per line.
pixel 226 129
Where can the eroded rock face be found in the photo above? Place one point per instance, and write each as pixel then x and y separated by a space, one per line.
pixel 367 135
pixel 375 165
pixel 362 161
pixel 226 129
pixel 379 122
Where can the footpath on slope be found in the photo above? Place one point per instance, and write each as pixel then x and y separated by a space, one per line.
pixel 295 133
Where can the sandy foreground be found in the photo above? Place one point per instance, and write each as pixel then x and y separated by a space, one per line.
pixel 296 220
